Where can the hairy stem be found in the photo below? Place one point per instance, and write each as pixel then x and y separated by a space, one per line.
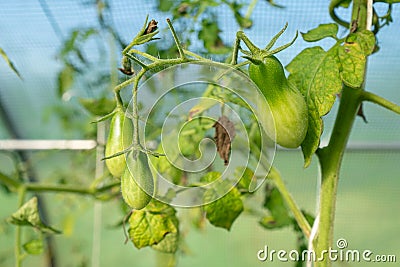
pixel 176 39
pixel 145 55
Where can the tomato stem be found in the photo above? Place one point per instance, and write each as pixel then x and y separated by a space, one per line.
pixel 371 97
pixel 18 231
pixel 297 213
pixel 176 39
pixel 330 157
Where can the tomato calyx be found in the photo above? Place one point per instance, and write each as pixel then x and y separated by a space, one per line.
pixel 257 55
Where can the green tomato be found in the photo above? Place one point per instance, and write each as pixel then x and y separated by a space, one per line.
pixel 286 103
pixel 119 138
pixel 137 184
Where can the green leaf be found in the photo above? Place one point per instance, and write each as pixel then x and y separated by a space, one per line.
pixel 269 222
pixel 98 107
pixel 272 3
pixel 320 82
pixel 352 56
pixel 276 205
pixel 209 34
pixel 34 246
pixel 171 240
pixel 148 227
pixel 321 32
pixel 75 40
pixel 145 38
pixel 243 21
pixel 65 79
pixel 28 214
pixel 224 211
pixel 366 39
pixel 315 127
pixel 210 177
pixel 9 62
pixel 191 134
pixel 206 102
pixel 164 5
pixel 353 62
pixel 246 178
pixel 165 166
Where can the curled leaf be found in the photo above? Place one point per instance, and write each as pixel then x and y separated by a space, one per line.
pixel 126 66
pixel 224 134
pixel 321 32
pixel 28 214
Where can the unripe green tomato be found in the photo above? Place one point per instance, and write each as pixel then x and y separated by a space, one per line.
pixel 119 138
pixel 286 103
pixel 137 184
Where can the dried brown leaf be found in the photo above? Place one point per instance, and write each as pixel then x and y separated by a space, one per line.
pixel 151 27
pixel 224 134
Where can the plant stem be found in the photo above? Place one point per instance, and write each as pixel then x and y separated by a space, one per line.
pixel 176 39
pixel 60 188
pixel 252 47
pixel 330 157
pixel 145 55
pixel 334 4
pixel 136 60
pixel 141 32
pixel 276 177
pixel 250 9
pixel 235 51
pixel 18 230
pixel 371 97
pixel 298 215
pixel 9 182
pixel 118 99
pixel 135 115
pixel 38 187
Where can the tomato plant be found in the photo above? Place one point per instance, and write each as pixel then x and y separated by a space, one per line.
pixel 283 110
